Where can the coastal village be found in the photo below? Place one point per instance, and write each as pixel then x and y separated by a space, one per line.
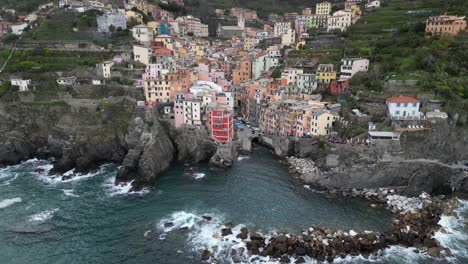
pixel 362 99
pixel 238 78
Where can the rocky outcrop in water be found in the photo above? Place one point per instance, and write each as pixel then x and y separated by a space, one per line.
pixel 150 151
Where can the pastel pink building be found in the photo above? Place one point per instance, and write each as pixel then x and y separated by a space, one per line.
pixel 152 72
pixel 179 108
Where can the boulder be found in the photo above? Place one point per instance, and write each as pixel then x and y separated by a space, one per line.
pixel 168 224
pixel 207 218
pixel 206 255
pixel 226 232
pixel 285 259
pixel 236 259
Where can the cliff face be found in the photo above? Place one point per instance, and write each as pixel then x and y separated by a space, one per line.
pixel 150 150
pixel 80 140
pixel 83 139
pixel 422 161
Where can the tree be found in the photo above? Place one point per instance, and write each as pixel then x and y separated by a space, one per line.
pixel 276 73
pixel 112 28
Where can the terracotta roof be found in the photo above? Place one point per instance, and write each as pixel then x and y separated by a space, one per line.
pixel 402 99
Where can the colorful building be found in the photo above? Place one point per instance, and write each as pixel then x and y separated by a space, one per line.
pixel 445 25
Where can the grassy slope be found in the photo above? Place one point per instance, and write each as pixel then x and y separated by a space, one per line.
pixel 23 6
pixel 399 49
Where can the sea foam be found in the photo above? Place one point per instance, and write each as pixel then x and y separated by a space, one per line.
pixel 8 202
pixel 43 216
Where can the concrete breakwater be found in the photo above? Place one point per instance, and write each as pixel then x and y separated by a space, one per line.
pixel 416 221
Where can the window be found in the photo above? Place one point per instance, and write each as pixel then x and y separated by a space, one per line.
pixel 397 112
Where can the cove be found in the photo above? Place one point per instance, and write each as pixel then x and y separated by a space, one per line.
pixel 88 220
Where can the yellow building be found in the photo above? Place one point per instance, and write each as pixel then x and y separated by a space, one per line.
pixel 157 91
pixel 322 122
pixel 154 26
pixel 168 41
pixel 325 73
pixel 323 8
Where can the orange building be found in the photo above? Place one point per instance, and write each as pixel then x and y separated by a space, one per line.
pixel 445 25
pixel 244 73
pixel 180 82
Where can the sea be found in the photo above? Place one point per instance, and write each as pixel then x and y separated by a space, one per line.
pixel 88 219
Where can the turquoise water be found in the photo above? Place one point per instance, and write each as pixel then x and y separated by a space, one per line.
pixel 89 220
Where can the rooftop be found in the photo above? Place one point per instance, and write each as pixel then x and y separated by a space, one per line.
pixel 402 99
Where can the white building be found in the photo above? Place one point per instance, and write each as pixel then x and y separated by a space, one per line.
pixel 306 82
pixel 104 69
pixel 261 35
pixel 192 112
pixel 281 28
pixel 403 107
pixel 17 29
pixel 322 122
pixel 373 4
pixel 340 20
pixel 288 38
pixel 349 67
pixel 300 24
pixel 142 33
pixel 142 54
pixel 291 75
pixel 23 85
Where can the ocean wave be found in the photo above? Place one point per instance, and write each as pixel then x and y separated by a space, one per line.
pixel 242 158
pixel 453 234
pixel 199 175
pixel 203 234
pixel 43 216
pixel 56 179
pixel 69 192
pixel 8 202
pixel 9 181
pixel 122 188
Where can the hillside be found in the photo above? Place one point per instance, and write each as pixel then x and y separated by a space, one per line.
pixel 395 42
pixel 23 6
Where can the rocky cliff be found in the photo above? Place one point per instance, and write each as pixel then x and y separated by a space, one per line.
pixel 83 138
pixel 420 162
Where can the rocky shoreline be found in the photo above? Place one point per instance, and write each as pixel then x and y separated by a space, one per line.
pixel 415 225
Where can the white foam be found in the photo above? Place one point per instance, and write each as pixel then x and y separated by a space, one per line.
pixel 307 186
pixel 199 175
pixel 453 234
pixel 242 158
pixel 69 192
pixel 8 202
pixel 122 188
pixel 204 234
pixel 43 216
pixel 9 181
pixel 56 179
